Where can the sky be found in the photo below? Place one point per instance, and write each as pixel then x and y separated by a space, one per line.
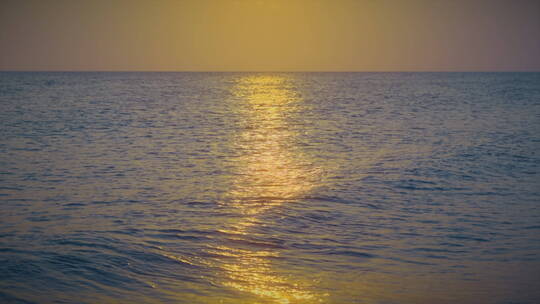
pixel 270 35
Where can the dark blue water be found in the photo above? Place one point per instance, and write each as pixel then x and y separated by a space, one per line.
pixel 269 188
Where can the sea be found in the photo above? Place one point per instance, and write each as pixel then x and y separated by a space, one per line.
pixel 166 187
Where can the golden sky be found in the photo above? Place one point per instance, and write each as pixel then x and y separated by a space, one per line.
pixel 270 35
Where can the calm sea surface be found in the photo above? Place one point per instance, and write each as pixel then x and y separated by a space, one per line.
pixel 270 188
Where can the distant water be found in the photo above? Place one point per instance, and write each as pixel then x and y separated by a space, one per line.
pixel 270 188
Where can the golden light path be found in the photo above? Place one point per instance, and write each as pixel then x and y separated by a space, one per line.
pixel 272 172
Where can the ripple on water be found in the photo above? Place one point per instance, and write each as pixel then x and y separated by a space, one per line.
pixel 269 188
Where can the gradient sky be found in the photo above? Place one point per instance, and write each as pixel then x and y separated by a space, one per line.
pixel 270 35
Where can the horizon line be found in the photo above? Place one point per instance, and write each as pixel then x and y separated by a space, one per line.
pixel 276 71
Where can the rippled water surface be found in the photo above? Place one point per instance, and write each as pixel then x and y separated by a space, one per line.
pixel 269 188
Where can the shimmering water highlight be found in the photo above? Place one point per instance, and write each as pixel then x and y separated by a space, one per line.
pixel 269 187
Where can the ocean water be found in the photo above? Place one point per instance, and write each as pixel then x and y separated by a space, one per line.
pixel 269 187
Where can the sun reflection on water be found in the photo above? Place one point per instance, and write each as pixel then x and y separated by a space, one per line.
pixel 272 171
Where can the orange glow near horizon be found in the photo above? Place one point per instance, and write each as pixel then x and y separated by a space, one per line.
pixel 270 35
